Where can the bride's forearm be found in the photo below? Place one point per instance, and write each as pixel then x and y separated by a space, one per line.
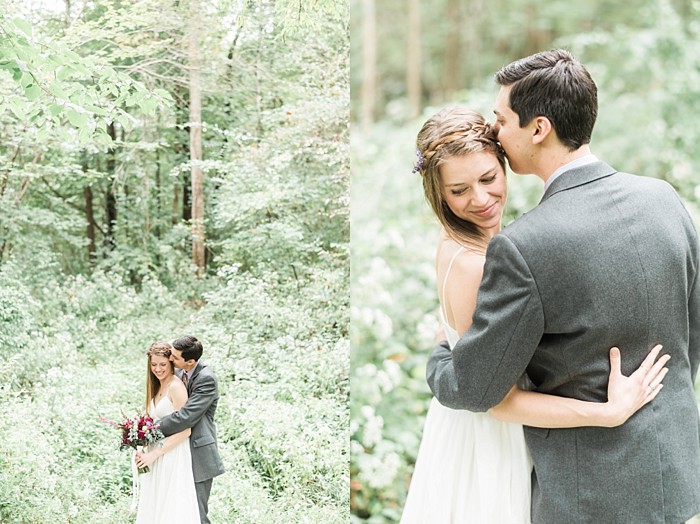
pixel 171 442
pixel 549 411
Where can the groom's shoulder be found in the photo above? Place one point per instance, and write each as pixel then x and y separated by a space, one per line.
pixel 651 191
pixel 206 371
pixel 639 181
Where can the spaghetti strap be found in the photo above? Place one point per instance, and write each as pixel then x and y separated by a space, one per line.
pixel 444 284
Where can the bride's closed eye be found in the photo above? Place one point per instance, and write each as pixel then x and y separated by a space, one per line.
pixel 458 192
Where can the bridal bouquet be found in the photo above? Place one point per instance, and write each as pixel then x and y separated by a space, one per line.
pixel 136 432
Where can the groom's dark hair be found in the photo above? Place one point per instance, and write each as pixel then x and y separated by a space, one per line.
pixel 555 85
pixel 191 347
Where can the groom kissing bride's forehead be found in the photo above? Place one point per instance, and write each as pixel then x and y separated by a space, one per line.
pixel 190 413
pixel 186 352
pixel 606 259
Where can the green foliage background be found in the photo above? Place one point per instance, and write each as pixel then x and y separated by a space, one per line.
pixel 96 100
pixel 646 62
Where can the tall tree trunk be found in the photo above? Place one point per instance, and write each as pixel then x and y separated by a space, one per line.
pixel 256 69
pixel 67 14
pixel 196 142
pixel 182 152
pixel 413 59
pixel 176 204
pixel 110 198
pixel 368 93
pixel 471 58
pixel 156 221
pixel 187 198
pixel 89 214
pixel 536 38
pixel 452 61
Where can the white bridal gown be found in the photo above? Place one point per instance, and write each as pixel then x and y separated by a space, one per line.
pixel 167 494
pixel 471 468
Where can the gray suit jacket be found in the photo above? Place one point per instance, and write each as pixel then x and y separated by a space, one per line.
pixel 606 259
pixel 198 414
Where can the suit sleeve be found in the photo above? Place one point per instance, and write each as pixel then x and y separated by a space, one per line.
pixel 694 310
pixel 694 324
pixel 507 326
pixel 694 289
pixel 204 392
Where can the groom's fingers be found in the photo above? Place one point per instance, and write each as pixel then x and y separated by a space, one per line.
pixel 658 378
pixel 615 361
pixel 657 373
pixel 651 396
pixel 648 362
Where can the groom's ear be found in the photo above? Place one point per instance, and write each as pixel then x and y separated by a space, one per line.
pixel 541 129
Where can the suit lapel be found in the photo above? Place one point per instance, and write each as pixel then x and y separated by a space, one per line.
pixel 193 374
pixel 578 177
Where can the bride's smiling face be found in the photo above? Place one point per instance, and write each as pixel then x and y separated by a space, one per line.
pixel 474 188
pixel 161 367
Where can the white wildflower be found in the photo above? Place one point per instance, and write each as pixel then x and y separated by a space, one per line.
pixel 393 370
pixel 372 434
pixel 368 370
pixel 385 326
pixel 381 472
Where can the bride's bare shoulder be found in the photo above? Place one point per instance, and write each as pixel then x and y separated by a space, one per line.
pixel 177 389
pixel 463 257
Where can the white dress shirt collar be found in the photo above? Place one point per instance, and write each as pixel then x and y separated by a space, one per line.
pixel 582 161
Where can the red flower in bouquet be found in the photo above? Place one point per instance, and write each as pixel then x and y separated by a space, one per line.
pixel 137 432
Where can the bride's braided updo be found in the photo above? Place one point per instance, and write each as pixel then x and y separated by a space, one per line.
pixel 454 131
pixel 162 349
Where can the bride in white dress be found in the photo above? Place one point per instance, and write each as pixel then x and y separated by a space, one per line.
pixel 167 493
pixel 475 467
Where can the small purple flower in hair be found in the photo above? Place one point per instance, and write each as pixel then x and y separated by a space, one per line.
pixel 419 164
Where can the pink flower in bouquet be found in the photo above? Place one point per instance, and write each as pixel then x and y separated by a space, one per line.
pixel 137 432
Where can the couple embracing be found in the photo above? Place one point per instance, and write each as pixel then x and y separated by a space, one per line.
pixel 548 400
pixel 181 394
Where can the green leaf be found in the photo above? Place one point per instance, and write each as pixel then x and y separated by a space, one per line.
pixel 107 73
pixel 102 139
pixel 42 133
pixel 10 65
pixel 148 105
pixel 131 100
pixel 85 135
pixel 32 92
pixel 57 89
pixel 77 119
pixel 23 26
pixel 18 107
pixel 57 59
pixel 96 109
pixel 163 94
pixel 26 79
pixel 26 53
pixel 71 55
pixel 55 109
pixel 64 72
pixel 36 117
pixel 125 120
pixel 80 68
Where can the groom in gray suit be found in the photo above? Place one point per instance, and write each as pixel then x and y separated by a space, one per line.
pixel 606 259
pixel 198 414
